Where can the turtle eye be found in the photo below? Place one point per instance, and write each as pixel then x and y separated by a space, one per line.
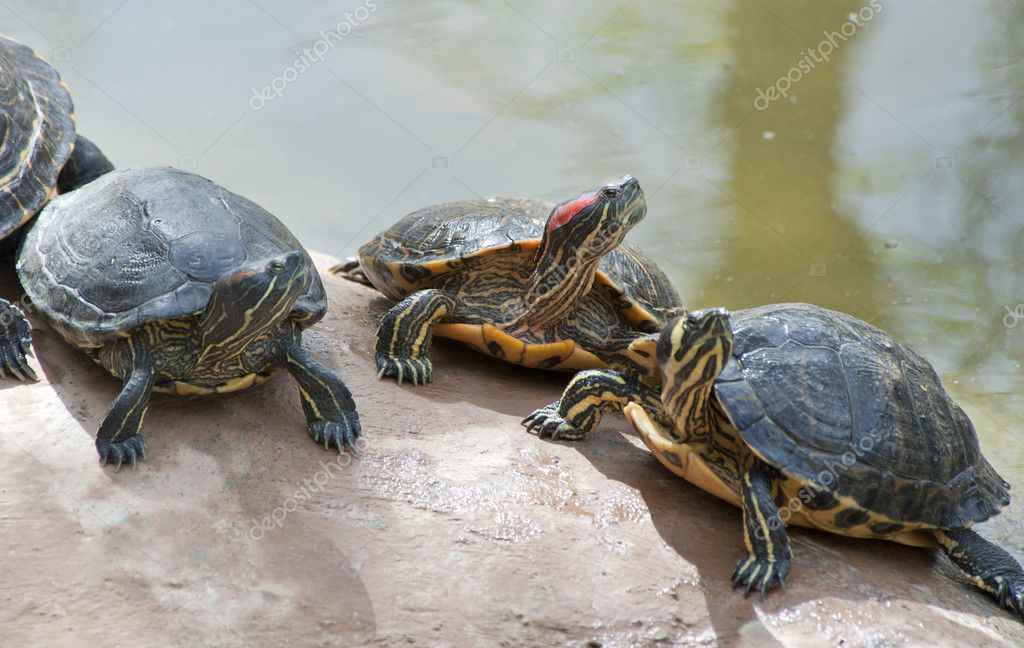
pixel 611 193
pixel 276 267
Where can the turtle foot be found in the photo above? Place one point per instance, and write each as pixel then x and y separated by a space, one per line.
pixel 129 449
pixel 340 434
pixel 760 574
pixel 351 270
pixel 548 422
pixel 418 371
pixel 1010 595
pixel 15 343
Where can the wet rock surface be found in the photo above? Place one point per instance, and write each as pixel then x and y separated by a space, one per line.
pixel 454 527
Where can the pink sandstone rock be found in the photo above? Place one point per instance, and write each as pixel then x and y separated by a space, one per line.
pixel 454 527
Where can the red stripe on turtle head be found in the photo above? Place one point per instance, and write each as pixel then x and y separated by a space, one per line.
pixel 565 212
pixel 239 276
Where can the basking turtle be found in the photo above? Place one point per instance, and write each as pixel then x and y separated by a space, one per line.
pixel 39 156
pixel 550 287
pixel 175 284
pixel 802 415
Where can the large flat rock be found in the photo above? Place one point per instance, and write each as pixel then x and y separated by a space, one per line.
pixel 454 527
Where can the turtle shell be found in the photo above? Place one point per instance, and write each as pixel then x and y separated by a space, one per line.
pixel 834 401
pixel 143 245
pixel 38 132
pixel 436 240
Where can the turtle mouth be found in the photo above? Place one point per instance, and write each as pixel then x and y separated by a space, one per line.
pixel 633 203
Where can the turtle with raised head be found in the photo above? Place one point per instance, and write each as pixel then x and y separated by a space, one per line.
pixel 803 415
pixel 175 284
pixel 40 156
pixel 531 283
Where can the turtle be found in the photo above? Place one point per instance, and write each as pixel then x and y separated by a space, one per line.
pixel 174 284
pixel 539 285
pixel 802 415
pixel 41 155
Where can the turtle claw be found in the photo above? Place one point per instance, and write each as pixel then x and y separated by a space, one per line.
pixel 548 422
pixel 418 371
pixel 15 343
pixel 1010 595
pixel 131 449
pixel 760 574
pixel 351 270
pixel 340 434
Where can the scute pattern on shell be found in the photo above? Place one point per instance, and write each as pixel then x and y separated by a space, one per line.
pixel 832 400
pixel 142 245
pixel 37 131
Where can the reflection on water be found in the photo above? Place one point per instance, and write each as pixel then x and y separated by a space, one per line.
pixel 886 184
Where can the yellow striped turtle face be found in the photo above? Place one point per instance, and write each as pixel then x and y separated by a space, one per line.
pixel 692 352
pixel 251 299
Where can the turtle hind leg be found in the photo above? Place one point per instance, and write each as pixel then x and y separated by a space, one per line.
pixel 986 565
pixel 589 394
pixel 406 333
pixel 119 438
pixel 350 269
pixel 15 343
pixel 86 164
pixel 326 401
pixel 768 558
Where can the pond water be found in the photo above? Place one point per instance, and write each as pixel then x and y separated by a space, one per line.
pixel 864 156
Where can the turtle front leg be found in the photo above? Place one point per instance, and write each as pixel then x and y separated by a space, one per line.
pixel 120 437
pixel 986 565
pixel 406 333
pixel 768 556
pixel 327 402
pixel 15 342
pixel 589 394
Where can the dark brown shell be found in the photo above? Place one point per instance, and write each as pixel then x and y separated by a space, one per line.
pixel 832 400
pixel 38 131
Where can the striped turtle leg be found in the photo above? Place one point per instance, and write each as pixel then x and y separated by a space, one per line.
pixel 768 556
pixel 327 402
pixel 405 335
pixel 86 164
pixel 120 436
pixel 589 394
pixel 986 565
pixel 15 342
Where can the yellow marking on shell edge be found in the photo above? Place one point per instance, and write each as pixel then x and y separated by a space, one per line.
pixel 437 268
pixel 235 384
pixel 692 468
pixel 635 314
pixel 518 352
pixel 696 471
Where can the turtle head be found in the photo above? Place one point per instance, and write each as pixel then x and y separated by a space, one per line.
pixel 250 299
pixel 692 352
pixel 578 233
pixel 589 225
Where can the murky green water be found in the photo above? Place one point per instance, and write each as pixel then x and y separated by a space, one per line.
pixel 887 183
